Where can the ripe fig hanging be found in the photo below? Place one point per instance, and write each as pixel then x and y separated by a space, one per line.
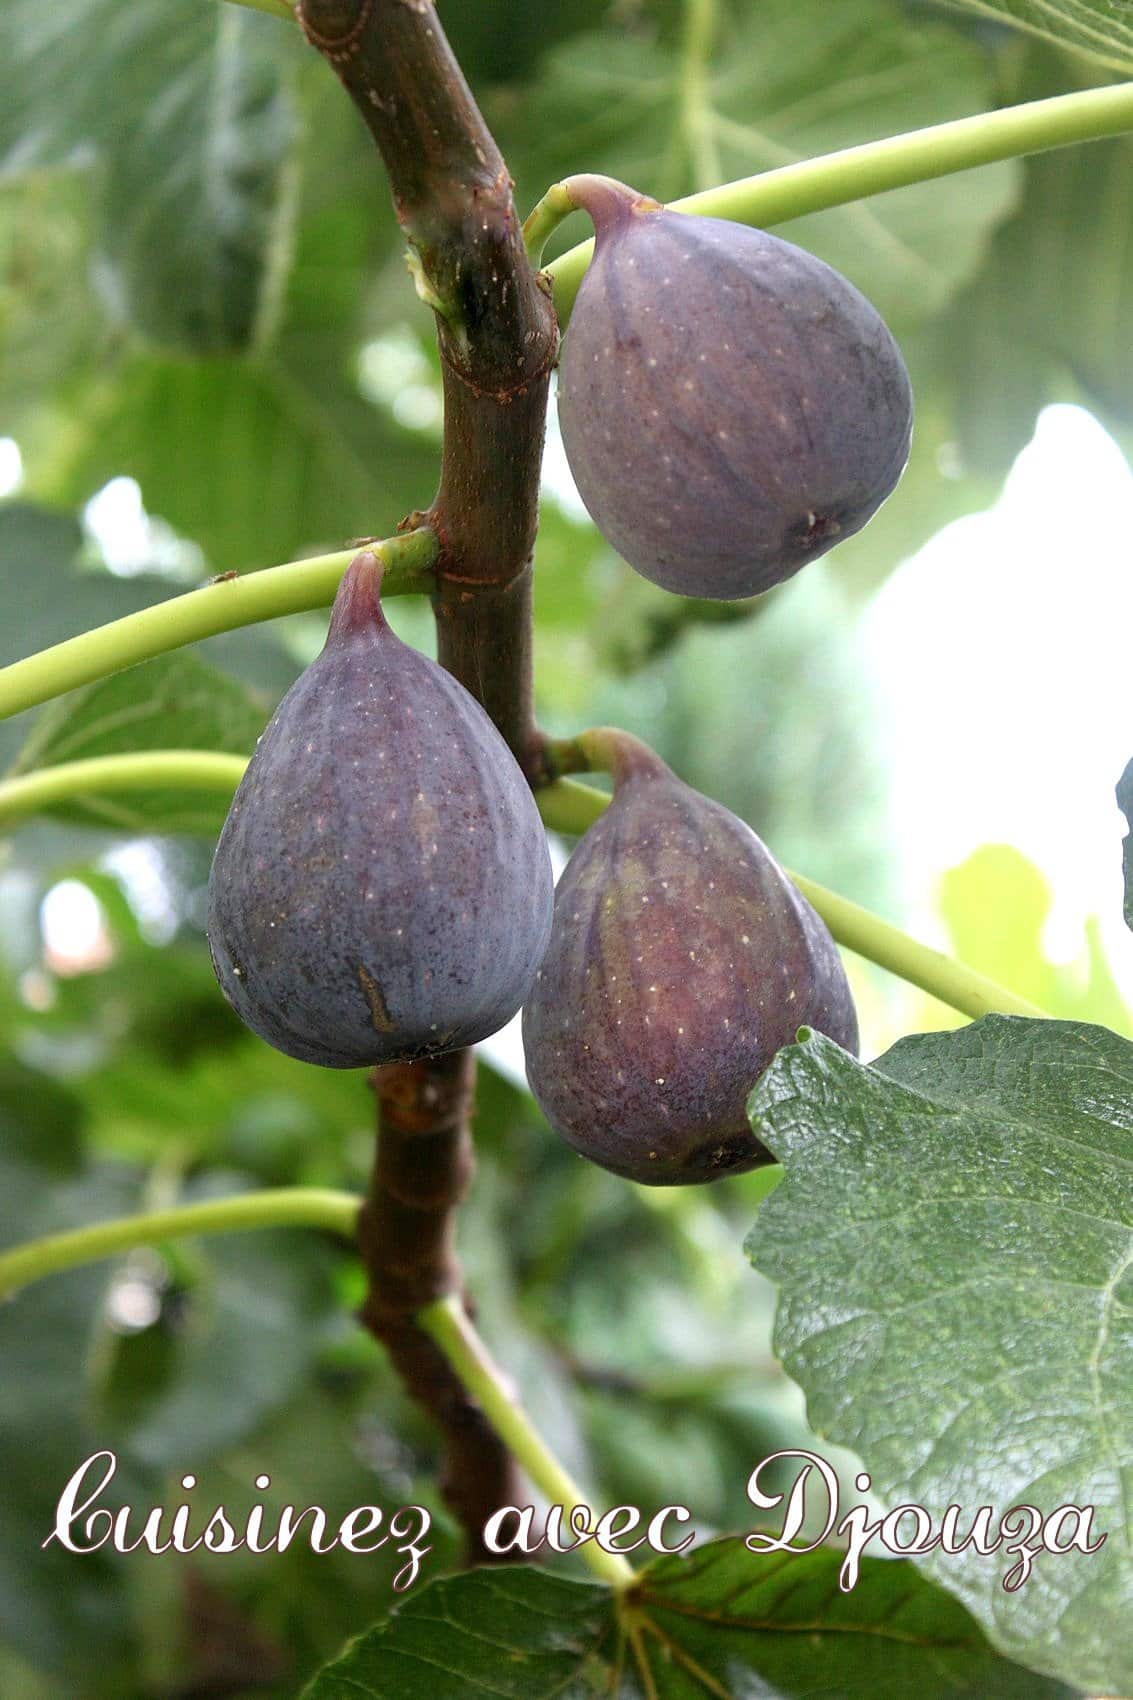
pixel 681 959
pixel 382 888
pixel 731 407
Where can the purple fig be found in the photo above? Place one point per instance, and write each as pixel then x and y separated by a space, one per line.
pixel 731 407
pixel 382 888
pixel 681 959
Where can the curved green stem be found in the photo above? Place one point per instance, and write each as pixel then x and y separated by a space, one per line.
pixel 278 1207
pixel 447 1322
pixel 567 806
pixel 814 185
pixel 217 607
pixel 277 8
pixel 142 770
pixel 545 218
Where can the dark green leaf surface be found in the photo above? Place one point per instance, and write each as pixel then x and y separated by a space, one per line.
pixel 182 112
pixel 721 1622
pixel 954 1247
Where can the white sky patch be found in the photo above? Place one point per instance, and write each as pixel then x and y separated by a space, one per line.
pixel 131 541
pixel 75 935
pixel 557 478
pixel 11 467
pixel 395 372
pixel 140 868
pixel 1001 653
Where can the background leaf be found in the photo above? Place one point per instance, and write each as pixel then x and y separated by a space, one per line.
pixel 1103 29
pixel 956 1231
pixel 181 113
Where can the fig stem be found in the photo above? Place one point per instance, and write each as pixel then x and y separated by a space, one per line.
pixel 544 219
pixel 567 806
pixel 275 1207
pixel 851 174
pixel 221 606
pixel 447 1323
pixel 605 201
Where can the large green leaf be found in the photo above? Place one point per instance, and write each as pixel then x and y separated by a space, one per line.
pixel 788 80
pixel 50 326
pixel 954 1247
pixel 1101 28
pixel 719 1622
pixel 257 462
pixel 174 702
pixel 182 109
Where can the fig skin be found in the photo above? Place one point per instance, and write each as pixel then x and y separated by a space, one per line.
pixel 731 407
pixel 681 959
pixel 382 888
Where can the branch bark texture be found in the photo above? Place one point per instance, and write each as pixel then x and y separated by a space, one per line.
pixel 495 326
pixel 406 1233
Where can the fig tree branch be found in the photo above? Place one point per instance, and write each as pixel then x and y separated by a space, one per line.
pixel 495 329
pixel 566 806
pixel 407 1235
pixel 278 1207
pixel 220 606
pixel 831 180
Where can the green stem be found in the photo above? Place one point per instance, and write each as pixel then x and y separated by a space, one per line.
pixel 545 218
pixel 567 806
pixel 695 109
pixel 277 8
pixel 814 185
pixel 141 770
pixel 279 1207
pixel 448 1324
pixel 217 607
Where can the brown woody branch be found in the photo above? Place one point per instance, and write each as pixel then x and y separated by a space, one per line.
pixel 495 327
pixel 497 336
pixel 405 1234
